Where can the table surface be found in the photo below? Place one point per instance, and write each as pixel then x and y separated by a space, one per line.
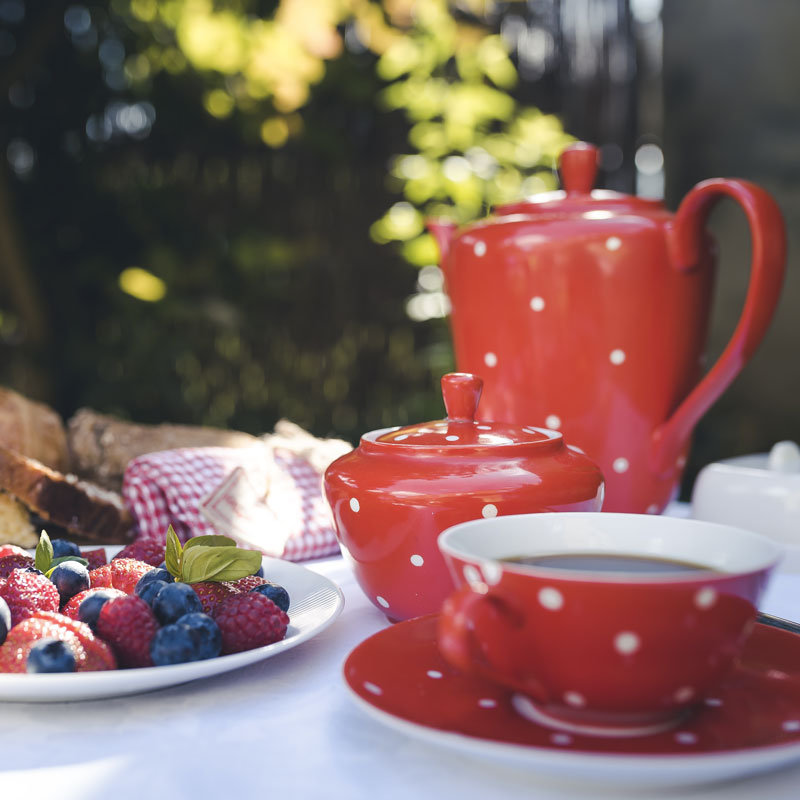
pixel 285 725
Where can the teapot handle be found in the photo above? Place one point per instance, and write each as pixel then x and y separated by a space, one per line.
pixel 767 269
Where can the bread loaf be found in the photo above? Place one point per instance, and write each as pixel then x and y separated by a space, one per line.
pixel 32 429
pixel 84 512
pixel 101 446
pixel 15 523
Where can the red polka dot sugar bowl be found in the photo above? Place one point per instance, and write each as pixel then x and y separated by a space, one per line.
pixel 394 494
pixel 602 624
pixel 587 311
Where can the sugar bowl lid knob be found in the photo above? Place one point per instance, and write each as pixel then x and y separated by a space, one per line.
pixel 578 165
pixel 462 393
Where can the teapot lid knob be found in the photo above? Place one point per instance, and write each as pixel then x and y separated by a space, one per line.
pixel 462 393
pixel 578 164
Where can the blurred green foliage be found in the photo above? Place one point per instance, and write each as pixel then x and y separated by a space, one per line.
pixel 206 224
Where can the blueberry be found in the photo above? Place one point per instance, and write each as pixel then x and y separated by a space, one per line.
pixel 5 620
pixel 50 655
pixel 274 592
pixel 205 632
pixel 175 600
pixel 89 609
pixel 70 577
pixel 260 571
pixel 63 547
pixel 173 644
pixel 150 591
pixel 156 574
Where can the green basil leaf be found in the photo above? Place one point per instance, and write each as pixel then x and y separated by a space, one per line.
pixel 44 553
pixel 173 554
pixel 61 559
pixel 210 541
pixel 202 563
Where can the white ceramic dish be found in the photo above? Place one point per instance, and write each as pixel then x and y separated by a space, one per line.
pixel 760 492
pixel 315 603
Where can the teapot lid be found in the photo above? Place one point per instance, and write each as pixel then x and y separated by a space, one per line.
pixel 462 392
pixel 578 167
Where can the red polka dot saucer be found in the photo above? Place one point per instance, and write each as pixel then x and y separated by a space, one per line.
pixel 751 722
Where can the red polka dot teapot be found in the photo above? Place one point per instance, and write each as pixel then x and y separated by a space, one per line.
pixel 394 494
pixel 587 311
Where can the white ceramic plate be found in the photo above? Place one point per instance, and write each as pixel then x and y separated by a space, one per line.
pixel 315 603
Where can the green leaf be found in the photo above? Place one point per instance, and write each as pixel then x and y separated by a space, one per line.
pixel 174 553
pixel 61 559
pixel 44 553
pixel 202 563
pixel 210 541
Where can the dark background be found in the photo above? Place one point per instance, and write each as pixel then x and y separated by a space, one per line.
pixel 279 303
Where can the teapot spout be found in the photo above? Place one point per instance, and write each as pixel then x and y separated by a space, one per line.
pixel 442 230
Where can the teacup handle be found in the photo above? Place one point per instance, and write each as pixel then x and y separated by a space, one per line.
pixel 767 268
pixel 474 635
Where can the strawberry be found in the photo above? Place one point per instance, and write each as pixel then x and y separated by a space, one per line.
pixel 121 573
pixel 96 557
pixel 22 637
pixel 14 561
pixel 150 551
pixel 99 655
pixel 73 604
pixel 128 625
pixel 247 583
pixel 12 550
pixel 211 593
pixel 249 620
pixel 26 592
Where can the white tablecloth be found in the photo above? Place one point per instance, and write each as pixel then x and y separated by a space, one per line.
pixel 284 728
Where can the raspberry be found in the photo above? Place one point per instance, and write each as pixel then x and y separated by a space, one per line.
pixel 247 583
pixel 12 550
pixel 14 561
pixel 96 558
pixel 121 573
pixel 26 592
pixel 22 637
pixel 249 620
pixel 71 608
pixel 128 625
pixel 211 593
pixel 99 655
pixel 148 550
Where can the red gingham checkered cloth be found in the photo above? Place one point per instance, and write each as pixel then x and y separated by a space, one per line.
pixel 166 488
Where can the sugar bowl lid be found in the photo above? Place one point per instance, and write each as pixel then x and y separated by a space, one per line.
pixel 462 392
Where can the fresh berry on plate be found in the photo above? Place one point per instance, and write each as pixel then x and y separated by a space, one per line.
pixel 12 550
pixel 206 634
pixel 128 625
pixel 70 578
pixel 23 636
pixel 26 592
pixel 50 655
pixel 247 583
pixel 151 591
pixel 14 561
pixel 98 654
pixel 249 620
pixel 120 573
pixel 275 592
pixel 75 609
pixel 148 550
pixel 156 574
pixel 173 644
pixel 96 558
pixel 63 548
pixel 5 620
pixel 211 593
pixel 175 600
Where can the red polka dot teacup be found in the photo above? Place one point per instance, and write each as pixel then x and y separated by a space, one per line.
pixel 588 640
